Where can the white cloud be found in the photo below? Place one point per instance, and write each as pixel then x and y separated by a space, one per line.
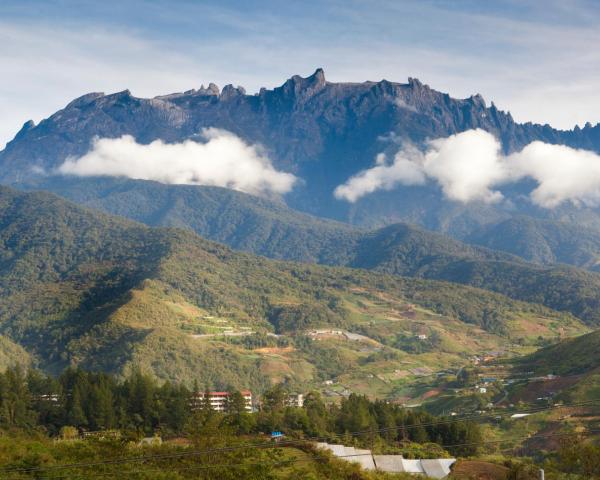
pixel 562 173
pixel 469 166
pixel 224 160
pixel 382 176
pixel 466 165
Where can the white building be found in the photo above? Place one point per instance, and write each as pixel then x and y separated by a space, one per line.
pixel 219 401
pixel 295 400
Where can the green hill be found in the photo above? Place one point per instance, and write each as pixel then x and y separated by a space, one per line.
pixel 244 222
pixel 83 288
pixel 576 364
pixel 574 356
pixel 269 228
pixel 405 250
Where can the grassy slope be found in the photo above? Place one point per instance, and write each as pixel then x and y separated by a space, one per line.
pixel 84 288
pixel 576 361
pixel 577 356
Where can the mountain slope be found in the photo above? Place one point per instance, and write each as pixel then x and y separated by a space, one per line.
pixel 403 250
pixel 576 365
pixel 83 288
pixel 571 357
pixel 271 229
pixel 544 241
pixel 244 222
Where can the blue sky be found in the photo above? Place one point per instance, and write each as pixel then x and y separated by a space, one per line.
pixel 538 59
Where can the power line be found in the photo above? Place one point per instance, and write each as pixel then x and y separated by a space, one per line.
pixel 290 442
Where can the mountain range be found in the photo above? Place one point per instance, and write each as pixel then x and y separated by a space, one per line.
pixel 323 133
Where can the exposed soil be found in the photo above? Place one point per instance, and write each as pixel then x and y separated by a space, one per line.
pixel 476 470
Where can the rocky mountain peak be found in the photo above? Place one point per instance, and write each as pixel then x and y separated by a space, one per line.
pixel 304 87
pixel 319 76
pixel 85 99
pixel 28 125
pixel 229 91
pixel 416 84
pixel 212 89
pixel 477 100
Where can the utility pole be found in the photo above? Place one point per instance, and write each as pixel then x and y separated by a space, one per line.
pixel 542 475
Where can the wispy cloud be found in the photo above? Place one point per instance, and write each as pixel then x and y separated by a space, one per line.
pixel 469 166
pixel 223 160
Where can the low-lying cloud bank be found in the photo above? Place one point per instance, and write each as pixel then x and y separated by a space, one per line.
pixel 469 166
pixel 224 160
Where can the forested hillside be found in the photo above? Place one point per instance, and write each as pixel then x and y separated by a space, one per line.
pixel 545 241
pixel 82 288
pixel 577 356
pixel 271 229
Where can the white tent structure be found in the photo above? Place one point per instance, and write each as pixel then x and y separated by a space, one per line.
pixel 438 468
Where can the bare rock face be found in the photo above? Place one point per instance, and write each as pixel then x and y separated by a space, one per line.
pixel 321 131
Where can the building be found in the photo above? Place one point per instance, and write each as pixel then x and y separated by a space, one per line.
pixel 295 400
pixel 219 401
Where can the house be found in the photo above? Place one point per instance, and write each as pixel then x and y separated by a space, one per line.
pixel 219 401
pixel 295 400
pixel 51 399
pixel 100 434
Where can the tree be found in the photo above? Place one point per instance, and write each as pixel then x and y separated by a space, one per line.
pixel 15 399
pixel 579 457
pixel 274 399
pixel 467 377
pixel 237 415
pixel 76 415
pixel 317 414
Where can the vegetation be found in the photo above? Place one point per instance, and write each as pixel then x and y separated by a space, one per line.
pixel 197 442
pixel 577 356
pixel 268 228
pixel 96 419
pixel 544 241
pixel 140 406
pixel 84 289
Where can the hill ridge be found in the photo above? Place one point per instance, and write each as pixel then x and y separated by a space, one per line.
pixel 112 294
